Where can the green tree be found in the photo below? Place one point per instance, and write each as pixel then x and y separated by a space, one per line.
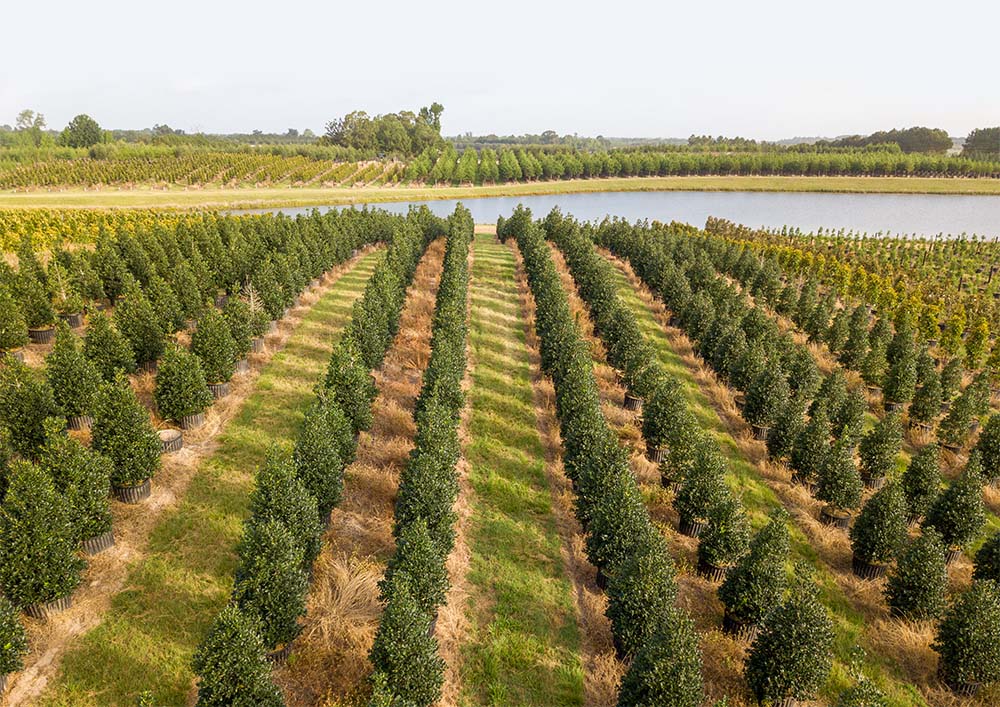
pixel 82 131
pixel 72 376
pixel 988 446
pixel 839 483
pixel 13 328
pixel 13 639
pixel 811 447
pixel 968 637
pixel 420 562
pixel 351 383
pixel 917 588
pixel 766 397
pixel 987 564
pixel 214 345
pixel 641 595
pixel 137 321
pixel 880 529
pixel 756 584
pixel 317 456
pixel 667 669
pixel 231 665
pixel 107 348
pixel 958 513
pixel 180 388
pixel 122 431
pixel 282 497
pixel 879 447
pixel 25 401
pixel 921 481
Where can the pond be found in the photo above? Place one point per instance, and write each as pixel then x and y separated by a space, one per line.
pixel 916 214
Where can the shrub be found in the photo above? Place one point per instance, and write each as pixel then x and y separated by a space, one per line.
pixel 988 446
pixel 856 346
pixel 418 559
pixel 863 694
pixel 138 323
pixel 34 300
pixel 38 561
pixel 641 595
pixel 13 639
pixel 180 385
pixel 987 563
pixel 951 379
pixel 404 652
pixel 107 348
pixel 787 427
pixel 839 483
pixel 239 319
pixel 123 432
pixel 13 328
pixel 881 526
pixel 878 449
pixel 667 670
pixel 917 587
pixel 901 380
pixel 25 401
pixel 231 665
pixel 922 481
pixel 958 513
pixel 73 378
pixel 619 523
pixel 351 383
pixel 270 582
pixel 926 405
pixel 954 429
pixel 848 421
pixel 83 478
pixel 757 582
pixel 874 365
pixel 968 637
pixel 281 497
pixel 727 536
pixel 767 396
pixel 214 345
pixel 317 457
pixel 812 445
pixel 831 394
pixel 792 655
pixel 704 487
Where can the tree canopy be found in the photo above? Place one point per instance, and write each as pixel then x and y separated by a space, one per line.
pixel 404 133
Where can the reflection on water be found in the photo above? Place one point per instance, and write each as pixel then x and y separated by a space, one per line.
pixel 920 214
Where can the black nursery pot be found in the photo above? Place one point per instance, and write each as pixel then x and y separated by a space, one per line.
pixel 692 527
pixel 132 494
pixel 868 570
pixel 41 335
pixel 99 543
pixel 44 610
pixel 738 629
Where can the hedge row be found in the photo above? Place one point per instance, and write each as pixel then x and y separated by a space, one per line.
pixel 684 275
pixel 755 581
pixel 407 667
pixel 297 489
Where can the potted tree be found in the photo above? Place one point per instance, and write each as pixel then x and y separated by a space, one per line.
pixel 766 397
pixel 901 380
pixel 988 447
pixel 39 568
pixel 281 497
pixel 811 448
pixel 404 651
pixel 667 669
pixel 926 405
pixel 73 378
pixel 214 345
pixel 878 532
pixel 13 328
pixel 791 657
pixel 918 586
pixel 83 478
pixel 107 348
pixel 36 307
pixel 757 582
pixel 239 319
pixel 787 427
pixel 839 486
pixel 702 489
pixel 181 393
pixel 968 640
pixel 351 383
pixel 878 450
pixel 137 321
pixel 641 596
pixel 66 299
pixel 420 561
pixel 987 563
pixel 848 421
pixel 123 432
pixel 231 666
pixel 725 540
pixel 317 458
pixel 259 318
pixel 660 412
pixel 954 429
pixel 922 481
pixel 951 380
pixel 271 583
pixel 958 513
pixel 13 642
pixel 25 401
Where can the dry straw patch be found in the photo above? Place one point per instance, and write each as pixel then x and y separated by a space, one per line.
pixel 106 573
pixel 330 659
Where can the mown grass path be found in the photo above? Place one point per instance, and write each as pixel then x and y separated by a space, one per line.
pixel 184 578
pixel 854 604
pixel 523 644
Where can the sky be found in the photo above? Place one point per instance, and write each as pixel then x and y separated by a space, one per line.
pixel 769 69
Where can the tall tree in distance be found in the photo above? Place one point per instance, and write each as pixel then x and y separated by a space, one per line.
pixel 82 131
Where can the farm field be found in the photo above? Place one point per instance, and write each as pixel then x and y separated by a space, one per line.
pixel 546 462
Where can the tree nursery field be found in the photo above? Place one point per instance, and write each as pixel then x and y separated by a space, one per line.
pixel 357 459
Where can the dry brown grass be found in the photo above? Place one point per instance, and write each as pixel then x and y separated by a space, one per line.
pixel 106 573
pixel 602 670
pixel 330 659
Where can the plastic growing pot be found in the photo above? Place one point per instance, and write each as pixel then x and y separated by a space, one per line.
pixel 79 422
pixel 868 570
pixel 712 572
pixel 656 454
pixel 835 517
pixel 219 390
pixel 42 611
pixel 190 422
pixel 632 402
pixel 952 554
pixel 42 335
pixel 692 527
pixel 75 320
pixel 242 366
pixel 98 543
pixel 257 344
pixel 170 441
pixel 132 494
pixel 738 629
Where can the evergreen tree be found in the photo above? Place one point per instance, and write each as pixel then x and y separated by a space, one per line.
pixel 281 497
pixel 122 431
pixel 926 405
pixel 107 348
pixel 812 447
pixel 420 562
pixel 968 637
pixel 72 377
pixel 38 561
pixel 239 318
pixel 25 401
pixel 231 665
pixel 82 477
pixel 958 513
pixel 878 449
pixel 317 457
pixel 988 446
pixel 901 380
pixel 13 639
pixel 214 345
pixel 756 584
pixel 13 328
pixel 839 483
pixel 789 423
pixel 951 379
pixel 641 595
pixel 922 480
pixel 704 488
pixel 180 388
pixel 667 669
pixel 351 383
pixel 138 323
pixel 766 397
pixel 881 526
pixel 917 587
pixel 727 537
pixel 403 651
pixel 856 346
pixel 987 564
pixel 33 296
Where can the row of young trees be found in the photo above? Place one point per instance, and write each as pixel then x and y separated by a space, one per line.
pixel 407 667
pixel 297 489
pixel 754 570
pixel 684 275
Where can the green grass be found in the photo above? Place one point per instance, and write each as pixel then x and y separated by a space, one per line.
pixel 523 645
pixel 253 197
pixel 173 593
pixel 759 499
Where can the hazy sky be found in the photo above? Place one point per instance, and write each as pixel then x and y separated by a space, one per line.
pixel 767 69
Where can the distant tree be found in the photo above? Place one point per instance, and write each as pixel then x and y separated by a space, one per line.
pixel 982 143
pixel 82 131
pixel 32 125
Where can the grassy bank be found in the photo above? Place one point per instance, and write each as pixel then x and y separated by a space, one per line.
pixel 273 197
pixel 184 577
pixel 524 640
